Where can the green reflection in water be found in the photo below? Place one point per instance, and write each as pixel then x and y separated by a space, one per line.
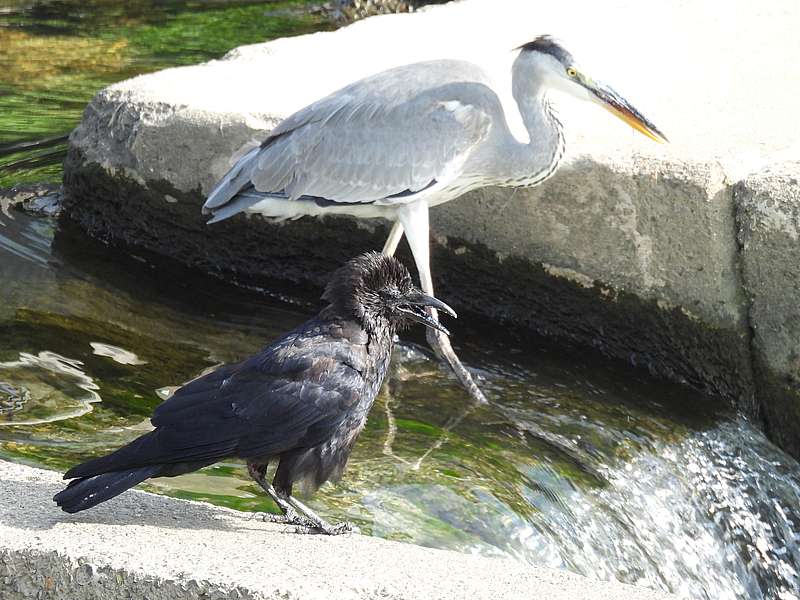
pixel 54 56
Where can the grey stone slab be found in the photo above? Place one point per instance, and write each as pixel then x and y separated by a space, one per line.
pixel 145 546
pixel 663 230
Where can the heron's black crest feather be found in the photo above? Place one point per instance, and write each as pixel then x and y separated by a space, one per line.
pixel 548 45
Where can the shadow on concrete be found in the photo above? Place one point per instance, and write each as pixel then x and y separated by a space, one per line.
pixel 30 505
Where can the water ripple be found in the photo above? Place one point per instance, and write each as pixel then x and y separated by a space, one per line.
pixel 53 387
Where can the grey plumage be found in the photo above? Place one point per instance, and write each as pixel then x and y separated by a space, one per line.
pixel 302 400
pixel 394 144
pixel 371 141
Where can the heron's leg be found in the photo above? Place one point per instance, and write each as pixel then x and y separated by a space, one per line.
pixel 290 517
pixel 395 235
pixel 317 524
pixel 414 219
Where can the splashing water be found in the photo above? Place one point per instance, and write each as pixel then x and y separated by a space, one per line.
pixel 711 517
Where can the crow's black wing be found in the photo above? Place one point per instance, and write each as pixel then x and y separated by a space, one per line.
pixel 292 395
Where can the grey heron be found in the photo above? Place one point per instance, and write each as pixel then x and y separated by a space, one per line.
pixel 396 143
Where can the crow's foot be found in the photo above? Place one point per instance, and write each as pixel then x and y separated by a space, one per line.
pixel 328 529
pixel 290 518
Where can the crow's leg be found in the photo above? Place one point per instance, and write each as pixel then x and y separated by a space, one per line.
pixel 282 483
pixel 320 525
pixel 414 220
pixel 289 517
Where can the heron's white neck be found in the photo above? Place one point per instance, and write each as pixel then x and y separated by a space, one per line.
pixel 531 163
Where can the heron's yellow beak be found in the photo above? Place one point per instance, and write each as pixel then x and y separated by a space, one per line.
pixel 618 106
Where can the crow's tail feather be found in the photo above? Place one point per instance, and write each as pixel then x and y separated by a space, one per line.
pixel 87 492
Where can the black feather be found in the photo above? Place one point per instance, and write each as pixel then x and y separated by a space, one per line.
pixel 547 45
pixel 87 492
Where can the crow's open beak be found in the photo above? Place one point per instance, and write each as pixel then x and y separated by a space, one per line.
pixel 414 304
pixel 618 106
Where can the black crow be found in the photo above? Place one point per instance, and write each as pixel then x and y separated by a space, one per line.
pixel 302 400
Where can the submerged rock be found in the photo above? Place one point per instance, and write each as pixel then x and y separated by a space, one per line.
pixel 49 387
pixel 40 198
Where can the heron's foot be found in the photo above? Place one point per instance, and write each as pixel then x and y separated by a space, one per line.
pixel 324 528
pixel 444 350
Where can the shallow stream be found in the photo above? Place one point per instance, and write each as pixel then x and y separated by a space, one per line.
pixel 576 463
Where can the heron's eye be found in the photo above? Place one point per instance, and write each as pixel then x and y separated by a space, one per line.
pixel 572 72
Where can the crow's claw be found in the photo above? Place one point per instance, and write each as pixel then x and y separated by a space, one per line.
pixel 326 529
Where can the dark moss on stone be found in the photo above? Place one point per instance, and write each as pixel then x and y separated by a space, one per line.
pixel 248 251
pixel 779 395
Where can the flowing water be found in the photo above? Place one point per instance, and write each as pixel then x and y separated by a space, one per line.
pixel 575 463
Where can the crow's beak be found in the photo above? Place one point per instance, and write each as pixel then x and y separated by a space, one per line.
pixel 618 106
pixel 413 306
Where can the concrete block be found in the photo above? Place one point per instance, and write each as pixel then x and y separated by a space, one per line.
pixel 145 546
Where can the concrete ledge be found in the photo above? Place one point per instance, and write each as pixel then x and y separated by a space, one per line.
pixel 145 546
pixel 632 248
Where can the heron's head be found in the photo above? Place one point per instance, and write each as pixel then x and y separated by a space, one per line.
pixel 555 67
pixel 377 290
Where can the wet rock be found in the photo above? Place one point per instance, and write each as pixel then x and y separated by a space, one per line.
pixel 12 399
pixel 347 11
pixel 48 205
pixel 39 198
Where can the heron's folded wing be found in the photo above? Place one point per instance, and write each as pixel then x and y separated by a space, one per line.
pixel 378 140
pixel 359 149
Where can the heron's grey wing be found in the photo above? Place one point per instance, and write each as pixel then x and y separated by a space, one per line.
pixel 367 152
pixel 362 145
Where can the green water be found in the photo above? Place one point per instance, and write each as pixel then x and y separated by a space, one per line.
pixel 55 55
pixel 575 463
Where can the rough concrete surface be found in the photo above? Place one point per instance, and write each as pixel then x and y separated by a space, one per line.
pixel 769 233
pixel 631 248
pixel 145 546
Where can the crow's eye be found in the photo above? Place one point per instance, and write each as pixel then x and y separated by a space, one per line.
pixel 388 295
